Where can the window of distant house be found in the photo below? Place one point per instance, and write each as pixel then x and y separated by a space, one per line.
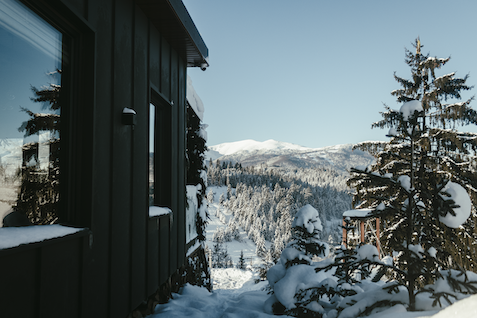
pixel 31 59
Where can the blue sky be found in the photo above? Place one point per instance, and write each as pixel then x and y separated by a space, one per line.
pixel 316 73
pixel 30 49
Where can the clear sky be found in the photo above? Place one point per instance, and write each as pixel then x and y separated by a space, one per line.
pixel 316 73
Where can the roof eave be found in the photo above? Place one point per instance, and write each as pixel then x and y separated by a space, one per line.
pixel 173 21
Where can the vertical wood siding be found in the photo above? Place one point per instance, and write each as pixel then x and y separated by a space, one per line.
pixel 130 255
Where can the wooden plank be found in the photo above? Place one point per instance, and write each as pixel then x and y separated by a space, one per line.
pixel 153 253
pixel 60 279
pixel 182 125
pixel 176 248
pixel 121 164
pixel 165 85
pixel 140 162
pixel 179 169
pixel 154 57
pixel 164 256
pixel 97 279
pixel 20 284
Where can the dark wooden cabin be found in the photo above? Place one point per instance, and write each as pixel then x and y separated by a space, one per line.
pixel 116 56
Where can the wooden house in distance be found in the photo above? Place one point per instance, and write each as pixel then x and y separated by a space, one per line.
pixel 108 80
pixel 369 228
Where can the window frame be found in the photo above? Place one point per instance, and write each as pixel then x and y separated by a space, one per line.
pixel 162 164
pixel 76 127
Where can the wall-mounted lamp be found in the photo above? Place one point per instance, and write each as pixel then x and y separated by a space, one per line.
pixel 129 116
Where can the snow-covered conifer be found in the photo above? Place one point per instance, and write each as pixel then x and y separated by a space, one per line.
pixel 241 262
pixel 294 274
pixel 424 177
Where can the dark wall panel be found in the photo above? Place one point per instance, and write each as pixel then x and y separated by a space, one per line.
pixel 153 255
pixel 97 281
pixel 61 269
pixel 154 57
pixel 140 164
pixel 165 85
pixel 182 125
pixel 78 6
pixel 177 160
pixel 20 284
pixel 43 279
pixel 164 238
pixel 121 160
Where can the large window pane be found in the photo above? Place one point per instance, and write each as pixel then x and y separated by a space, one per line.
pixel 30 85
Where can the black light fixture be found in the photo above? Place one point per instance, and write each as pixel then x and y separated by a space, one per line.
pixel 129 116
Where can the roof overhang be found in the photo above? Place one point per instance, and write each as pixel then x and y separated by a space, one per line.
pixel 173 21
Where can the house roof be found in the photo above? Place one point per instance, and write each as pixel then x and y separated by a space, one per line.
pixel 172 19
pixel 358 213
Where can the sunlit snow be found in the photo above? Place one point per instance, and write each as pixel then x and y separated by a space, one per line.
pixel 15 236
pixel 408 108
pixel 237 295
pixel 461 198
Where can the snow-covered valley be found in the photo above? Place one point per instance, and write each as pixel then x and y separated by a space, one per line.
pixel 240 293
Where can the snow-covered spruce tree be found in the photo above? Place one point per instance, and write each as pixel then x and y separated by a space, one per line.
pixel 198 272
pixel 196 174
pixel 40 181
pixel 422 179
pixel 241 262
pixel 294 273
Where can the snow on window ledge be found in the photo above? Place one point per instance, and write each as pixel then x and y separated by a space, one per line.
pixel 158 211
pixel 16 236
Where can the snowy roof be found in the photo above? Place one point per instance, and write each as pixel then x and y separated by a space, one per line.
pixel 358 213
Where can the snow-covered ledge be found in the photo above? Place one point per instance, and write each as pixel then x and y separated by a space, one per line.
pixel 158 211
pixel 358 213
pixel 16 236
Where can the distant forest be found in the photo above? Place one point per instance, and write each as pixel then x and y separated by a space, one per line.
pixel 264 202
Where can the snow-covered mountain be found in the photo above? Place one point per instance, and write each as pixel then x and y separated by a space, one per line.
pixel 286 155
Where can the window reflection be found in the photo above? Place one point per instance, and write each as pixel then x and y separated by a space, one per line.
pixel 30 85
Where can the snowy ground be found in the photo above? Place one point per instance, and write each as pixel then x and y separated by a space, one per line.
pixel 236 295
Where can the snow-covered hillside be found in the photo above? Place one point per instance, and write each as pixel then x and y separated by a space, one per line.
pixel 286 155
pixel 236 293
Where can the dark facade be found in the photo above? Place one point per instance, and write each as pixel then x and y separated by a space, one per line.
pixel 122 54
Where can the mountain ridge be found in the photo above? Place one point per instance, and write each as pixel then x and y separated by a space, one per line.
pixel 285 155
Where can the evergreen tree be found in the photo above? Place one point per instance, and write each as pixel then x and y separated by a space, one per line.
pixel 414 184
pixel 241 262
pixel 195 153
pixel 297 258
pixel 39 193
pixel 210 196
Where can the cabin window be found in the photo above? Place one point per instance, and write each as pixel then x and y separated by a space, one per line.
pixel 32 56
pixel 160 153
